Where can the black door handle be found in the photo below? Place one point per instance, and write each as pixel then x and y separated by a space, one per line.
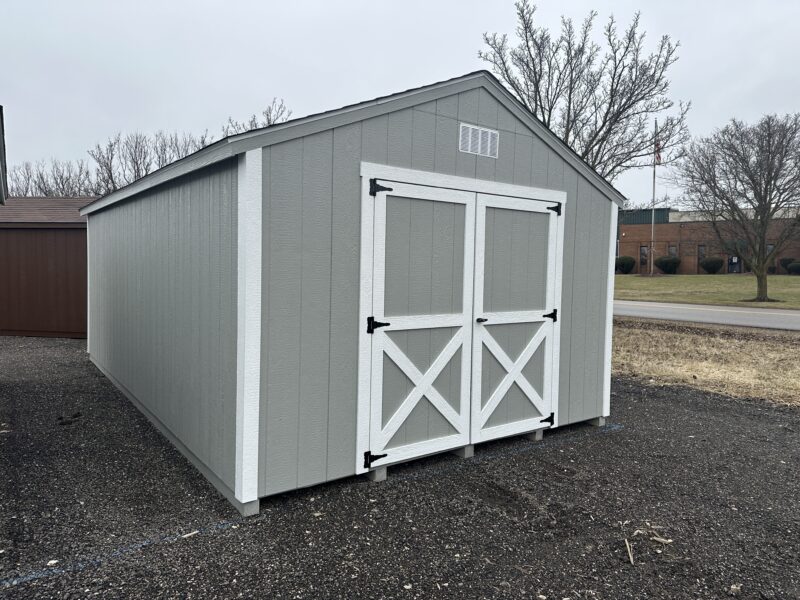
pixel 481 320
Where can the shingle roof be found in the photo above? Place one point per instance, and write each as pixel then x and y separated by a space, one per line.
pixel 43 210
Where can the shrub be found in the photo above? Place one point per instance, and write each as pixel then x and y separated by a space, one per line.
pixel 712 265
pixel 785 262
pixel 625 264
pixel 668 264
pixel 794 268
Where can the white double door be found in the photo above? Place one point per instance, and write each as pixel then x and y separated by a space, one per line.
pixel 460 331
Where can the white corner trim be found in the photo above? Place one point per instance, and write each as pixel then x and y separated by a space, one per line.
pixel 612 252
pixel 248 324
pixel 495 188
pixel 88 290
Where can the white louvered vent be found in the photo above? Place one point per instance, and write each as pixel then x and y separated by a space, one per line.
pixel 478 140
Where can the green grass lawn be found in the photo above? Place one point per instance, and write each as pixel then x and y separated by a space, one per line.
pixel 733 290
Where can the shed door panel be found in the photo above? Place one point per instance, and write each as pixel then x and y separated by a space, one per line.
pixel 422 287
pixel 513 341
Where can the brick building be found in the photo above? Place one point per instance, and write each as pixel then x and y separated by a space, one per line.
pixel 684 234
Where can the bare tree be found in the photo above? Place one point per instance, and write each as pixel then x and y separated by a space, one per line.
pixel 20 180
pixel 123 159
pixel 56 178
pixel 136 156
pixel 107 175
pixel 745 179
pixel 169 147
pixel 203 140
pixel 276 112
pixel 164 148
pixel 601 105
pixel 70 178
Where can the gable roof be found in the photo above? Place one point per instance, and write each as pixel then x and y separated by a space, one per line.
pixel 237 144
pixel 43 210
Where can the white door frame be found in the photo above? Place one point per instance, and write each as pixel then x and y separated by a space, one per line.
pixel 549 403
pixel 368 226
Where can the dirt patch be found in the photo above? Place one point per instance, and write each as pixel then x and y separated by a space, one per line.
pixel 737 361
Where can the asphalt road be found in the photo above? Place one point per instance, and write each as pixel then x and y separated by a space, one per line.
pixel 684 495
pixel 702 313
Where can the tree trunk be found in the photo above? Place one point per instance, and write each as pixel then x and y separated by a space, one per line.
pixel 761 282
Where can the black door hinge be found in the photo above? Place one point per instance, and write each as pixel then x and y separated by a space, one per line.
pixel 375 187
pixel 556 209
pixel 551 419
pixel 370 458
pixel 553 315
pixel 372 324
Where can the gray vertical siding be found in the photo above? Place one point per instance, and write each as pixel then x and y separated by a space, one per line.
pixel 281 311
pixel 315 308
pixel 310 287
pixel 424 257
pixel 163 308
pixel 515 260
pixel 345 255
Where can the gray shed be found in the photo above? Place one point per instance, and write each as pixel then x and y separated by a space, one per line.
pixel 328 296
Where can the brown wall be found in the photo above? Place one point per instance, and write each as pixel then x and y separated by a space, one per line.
pixel 43 281
pixel 686 237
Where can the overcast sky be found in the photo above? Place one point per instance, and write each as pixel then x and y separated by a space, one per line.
pixel 72 73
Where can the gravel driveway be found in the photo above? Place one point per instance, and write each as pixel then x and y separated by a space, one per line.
pixel 704 489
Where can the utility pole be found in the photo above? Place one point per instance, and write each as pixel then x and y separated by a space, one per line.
pixel 656 159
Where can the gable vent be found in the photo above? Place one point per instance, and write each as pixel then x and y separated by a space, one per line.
pixel 478 140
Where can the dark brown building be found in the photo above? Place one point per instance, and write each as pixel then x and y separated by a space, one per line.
pixel 683 234
pixel 43 267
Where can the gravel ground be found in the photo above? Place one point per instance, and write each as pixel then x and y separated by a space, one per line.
pixel 87 482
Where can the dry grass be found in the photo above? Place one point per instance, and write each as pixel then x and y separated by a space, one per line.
pixel 736 361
